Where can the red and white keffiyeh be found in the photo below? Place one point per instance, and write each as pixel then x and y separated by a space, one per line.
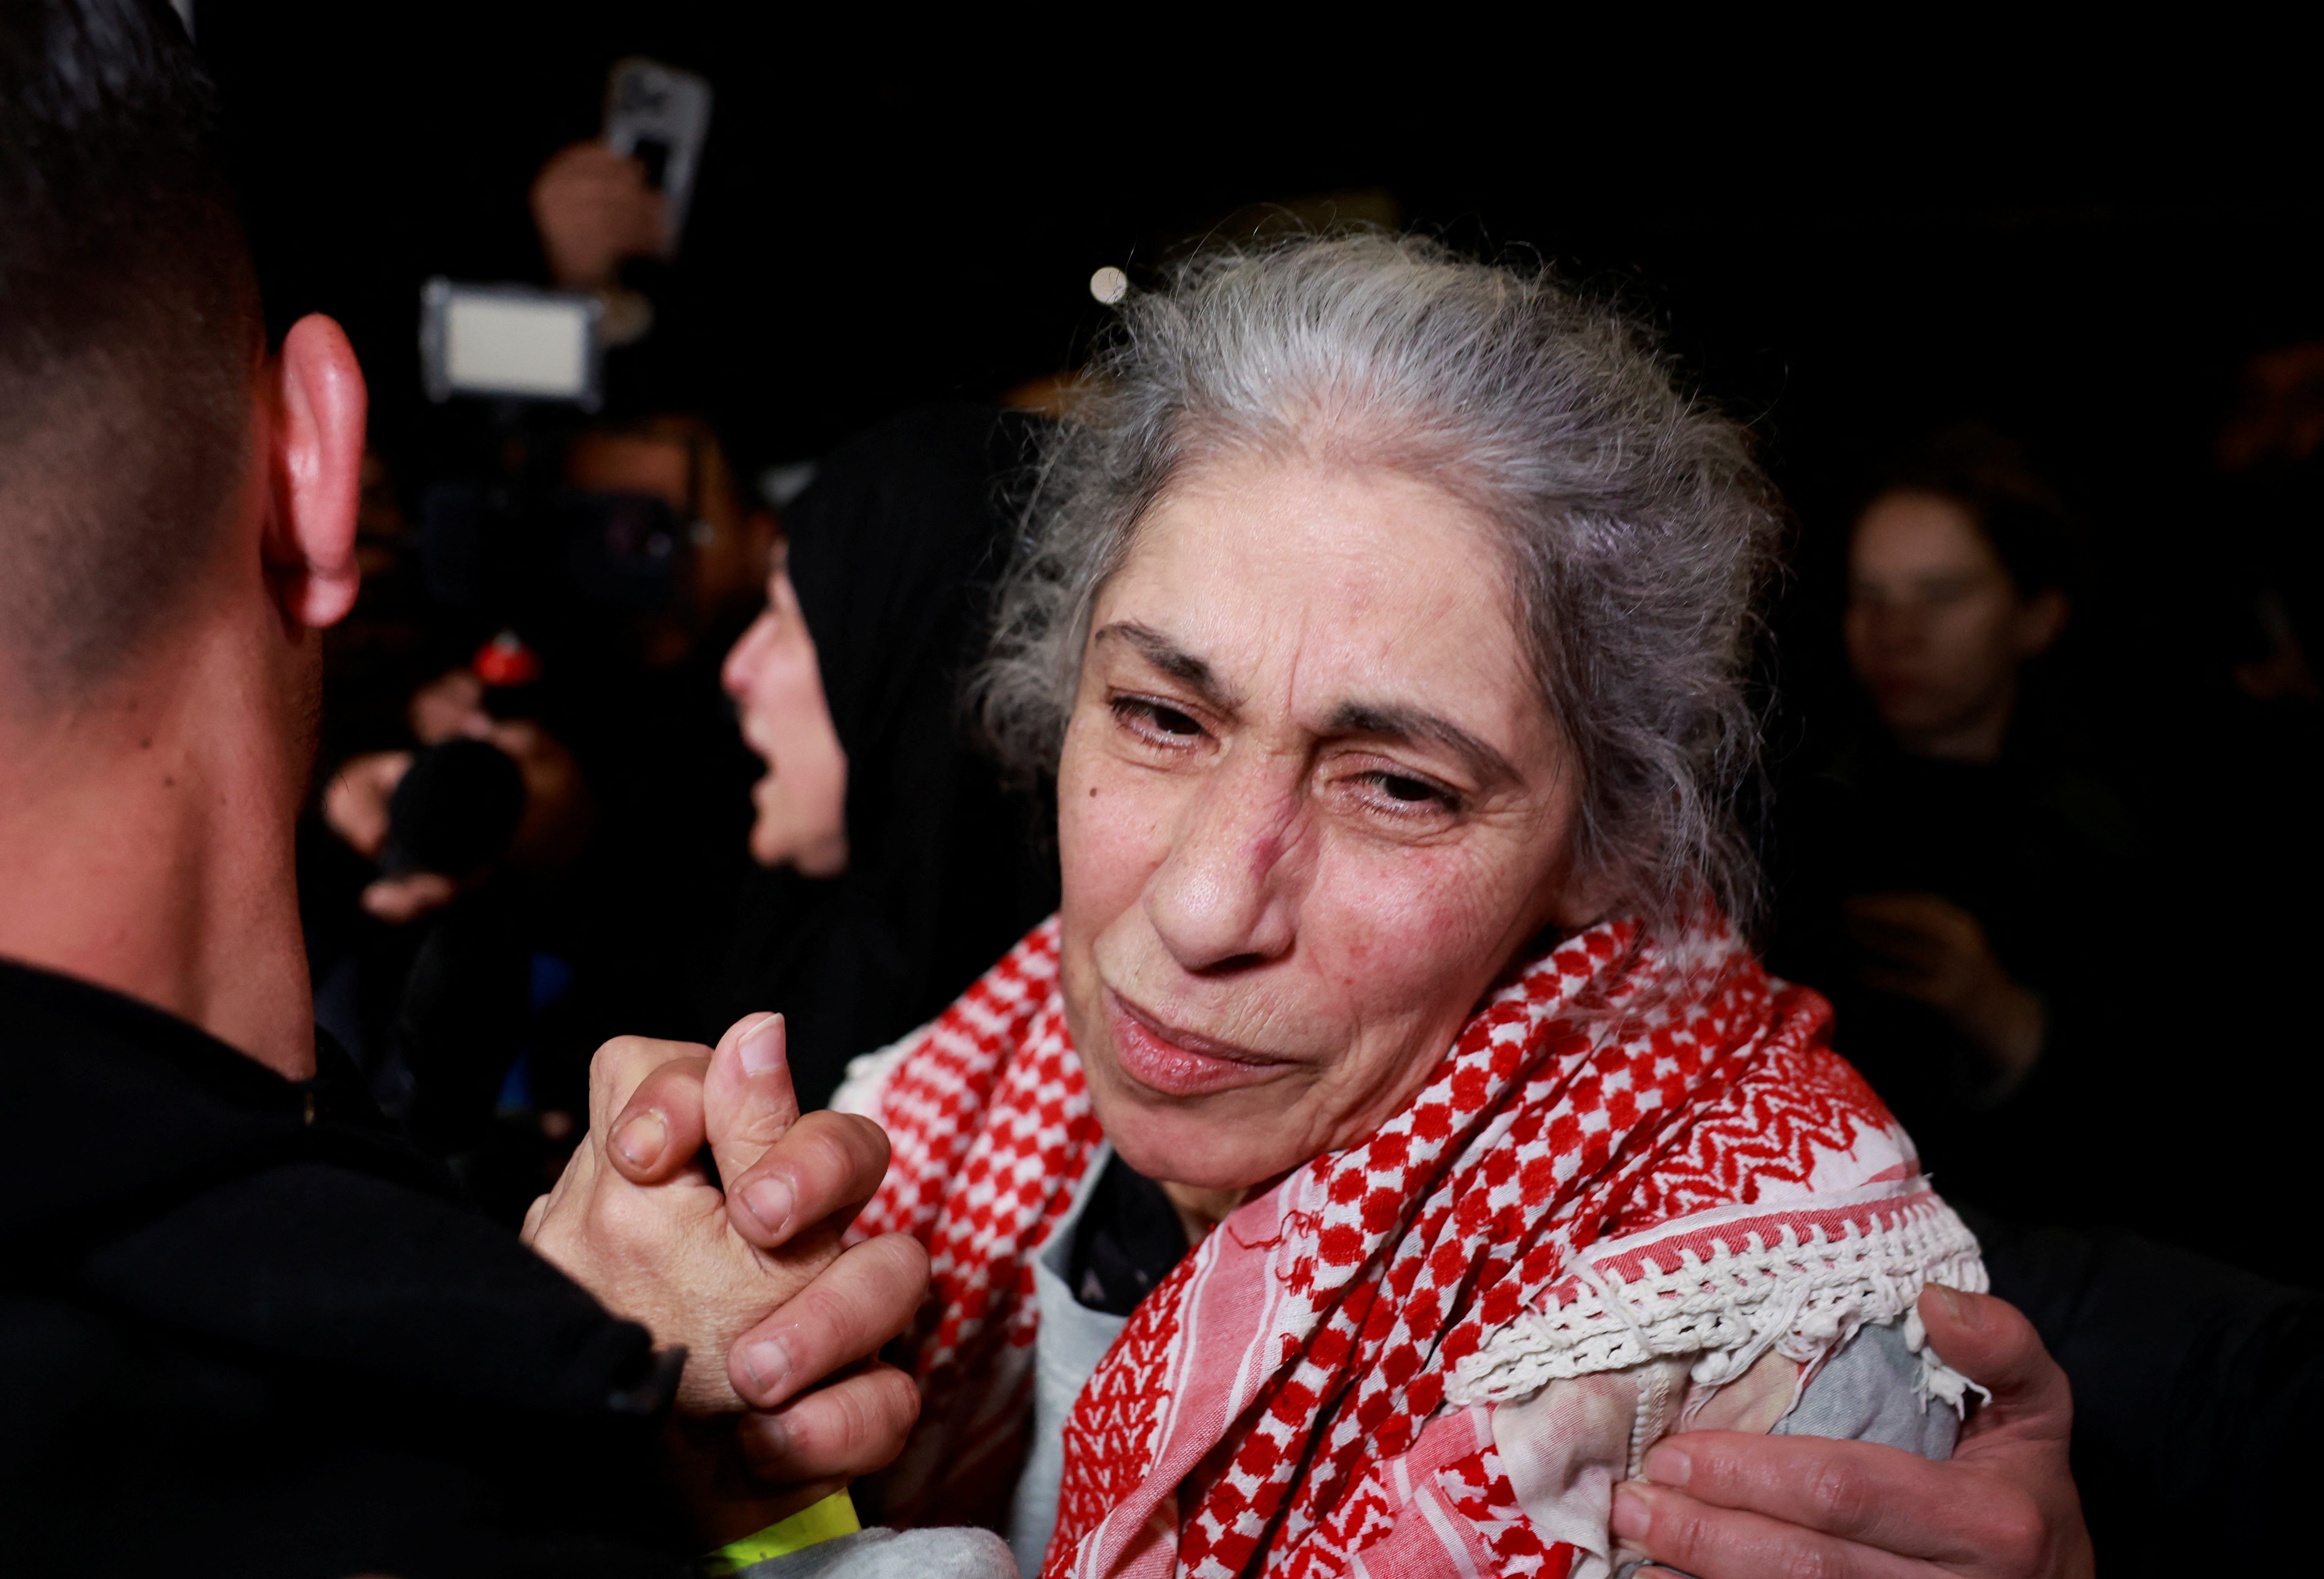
pixel 1625 1156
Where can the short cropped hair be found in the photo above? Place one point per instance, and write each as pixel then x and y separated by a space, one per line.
pixel 129 321
pixel 1638 529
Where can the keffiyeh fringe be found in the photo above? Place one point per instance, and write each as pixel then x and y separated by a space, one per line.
pixel 1754 1292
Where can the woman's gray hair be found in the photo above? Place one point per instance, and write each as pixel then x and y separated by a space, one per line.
pixel 1639 528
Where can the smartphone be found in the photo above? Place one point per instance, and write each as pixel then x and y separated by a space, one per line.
pixel 659 116
pixel 511 341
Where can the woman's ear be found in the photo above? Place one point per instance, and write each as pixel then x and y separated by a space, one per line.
pixel 314 462
pixel 2041 620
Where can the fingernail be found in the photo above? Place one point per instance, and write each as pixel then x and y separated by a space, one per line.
pixel 762 1046
pixel 768 1366
pixel 1632 1515
pixel 770 1200
pixel 1955 1306
pixel 641 1140
pixel 1668 1466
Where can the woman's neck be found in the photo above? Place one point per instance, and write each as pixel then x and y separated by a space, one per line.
pixel 1975 739
pixel 1201 1210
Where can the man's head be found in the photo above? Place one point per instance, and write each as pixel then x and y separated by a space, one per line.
pixel 129 333
pixel 177 521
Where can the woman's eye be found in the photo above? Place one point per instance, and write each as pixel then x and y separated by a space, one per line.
pixel 1404 790
pixel 1157 719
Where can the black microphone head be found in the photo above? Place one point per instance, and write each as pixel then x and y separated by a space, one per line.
pixel 454 811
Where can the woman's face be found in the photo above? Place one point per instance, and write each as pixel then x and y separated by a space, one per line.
pixel 1311 803
pixel 1935 627
pixel 777 683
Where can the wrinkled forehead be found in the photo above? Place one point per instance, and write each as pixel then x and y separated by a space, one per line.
pixel 1309 583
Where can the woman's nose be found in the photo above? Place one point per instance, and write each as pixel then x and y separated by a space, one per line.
pixel 1226 895
pixel 742 665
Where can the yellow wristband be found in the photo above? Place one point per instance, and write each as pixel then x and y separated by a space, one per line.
pixel 812 1526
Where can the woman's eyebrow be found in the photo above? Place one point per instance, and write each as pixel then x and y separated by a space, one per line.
pixel 1174 661
pixel 1411 724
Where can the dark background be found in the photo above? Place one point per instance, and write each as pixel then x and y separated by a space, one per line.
pixel 1849 238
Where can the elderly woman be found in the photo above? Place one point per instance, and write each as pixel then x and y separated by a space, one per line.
pixel 1389 1140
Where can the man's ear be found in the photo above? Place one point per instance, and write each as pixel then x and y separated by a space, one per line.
pixel 314 463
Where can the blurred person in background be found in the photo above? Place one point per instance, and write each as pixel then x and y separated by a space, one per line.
pixel 2010 967
pixel 1955 877
pixel 885 866
pixel 539 795
pixel 891 865
pixel 445 988
pixel 562 595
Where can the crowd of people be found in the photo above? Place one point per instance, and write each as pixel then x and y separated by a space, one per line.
pixel 1165 978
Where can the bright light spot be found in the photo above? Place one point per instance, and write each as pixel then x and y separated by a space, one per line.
pixel 1109 284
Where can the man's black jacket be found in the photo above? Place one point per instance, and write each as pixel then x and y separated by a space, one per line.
pixel 243 1330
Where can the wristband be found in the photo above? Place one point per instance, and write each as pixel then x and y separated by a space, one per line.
pixel 811 1526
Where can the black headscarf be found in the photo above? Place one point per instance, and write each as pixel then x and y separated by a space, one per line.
pixel 894 551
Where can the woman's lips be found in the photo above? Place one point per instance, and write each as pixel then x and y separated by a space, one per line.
pixel 1172 1067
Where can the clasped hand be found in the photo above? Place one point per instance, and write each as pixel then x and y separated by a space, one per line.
pixel 745 1269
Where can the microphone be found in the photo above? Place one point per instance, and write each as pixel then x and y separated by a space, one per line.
pixel 455 811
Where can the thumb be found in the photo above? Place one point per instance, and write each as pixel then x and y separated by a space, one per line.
pixel 1990 1342
pixel 747 1099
